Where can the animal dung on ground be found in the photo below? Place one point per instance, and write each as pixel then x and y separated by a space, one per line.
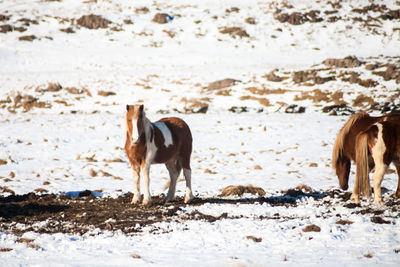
pixel 239 190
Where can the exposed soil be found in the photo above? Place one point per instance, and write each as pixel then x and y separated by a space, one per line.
pixel 60 213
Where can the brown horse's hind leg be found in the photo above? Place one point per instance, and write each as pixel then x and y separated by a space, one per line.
pixel 397 194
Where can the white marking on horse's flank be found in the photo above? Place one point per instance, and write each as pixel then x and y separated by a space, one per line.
pixel 165 132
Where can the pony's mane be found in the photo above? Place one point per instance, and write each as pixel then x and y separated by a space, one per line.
pixel 338 146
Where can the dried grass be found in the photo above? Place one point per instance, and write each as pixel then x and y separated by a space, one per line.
pixel 239 190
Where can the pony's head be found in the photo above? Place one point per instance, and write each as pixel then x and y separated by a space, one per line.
pixel 134 123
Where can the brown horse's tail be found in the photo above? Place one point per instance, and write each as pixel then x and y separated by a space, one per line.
pixel 361 184
pixel 338 155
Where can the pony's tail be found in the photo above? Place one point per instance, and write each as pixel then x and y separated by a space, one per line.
pixel 338 148
pixel 361 185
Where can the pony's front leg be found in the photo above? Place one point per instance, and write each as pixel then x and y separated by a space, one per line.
pixel 136 184
pixel 146 183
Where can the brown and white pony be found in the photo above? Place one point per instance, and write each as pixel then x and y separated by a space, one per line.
pixel 380 145
pixel 344 149
pixel 168 141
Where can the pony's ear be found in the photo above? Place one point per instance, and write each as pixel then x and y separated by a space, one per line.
pixel 128 107
pixel 141 107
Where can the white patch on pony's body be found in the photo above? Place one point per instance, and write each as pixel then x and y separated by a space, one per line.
pixel 378 152
pixel 165 132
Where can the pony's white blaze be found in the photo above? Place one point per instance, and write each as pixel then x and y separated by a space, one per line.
pixel 135 131
pixel 165 132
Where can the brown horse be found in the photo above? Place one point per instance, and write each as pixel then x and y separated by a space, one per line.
pixel 380 145
pixel 344 147
pixel 168 141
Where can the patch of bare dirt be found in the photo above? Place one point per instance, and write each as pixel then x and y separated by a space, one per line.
pixel 62 213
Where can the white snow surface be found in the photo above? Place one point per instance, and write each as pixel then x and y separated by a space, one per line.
pixel 47 148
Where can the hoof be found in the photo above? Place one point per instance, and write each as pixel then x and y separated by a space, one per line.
pixel 146 202
pixel 355 198
pixel 379 202
pixel 188 199
pixel 134 201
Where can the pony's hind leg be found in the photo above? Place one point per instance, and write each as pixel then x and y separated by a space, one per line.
pixel 377 178
pixel 174 169
pixel 136 184
pixel 378 152
pixel 188 177
pixel 397 165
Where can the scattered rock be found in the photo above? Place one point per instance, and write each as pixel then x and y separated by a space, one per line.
pixel 379 220
pixel 51 87
pixel 310 75
pixel 142 10
pixel 239 190
pixel 105 93
pixel 222 84
pixel 6 28
pixel 28 38
pixel 272 77
pixel 68 30
pixel 392 72
pixel 93 22
pixel 162 18
pixel 27 102
pixel 295 109
pixel 392 14
pixel 4 17
pixel 255 239
pixel 28 22
pixel 387 107
pixel 235 32
pixel 297 18
pixel 344 222
pixel 3 162
pixel 338 110
pixel 232 10
pixel 363 100
pixel 250 20
pixel 74 90
pixel 312 228
pixel 235 109
pixel 347 62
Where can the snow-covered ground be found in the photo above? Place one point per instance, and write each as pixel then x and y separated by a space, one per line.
pixel 168 68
